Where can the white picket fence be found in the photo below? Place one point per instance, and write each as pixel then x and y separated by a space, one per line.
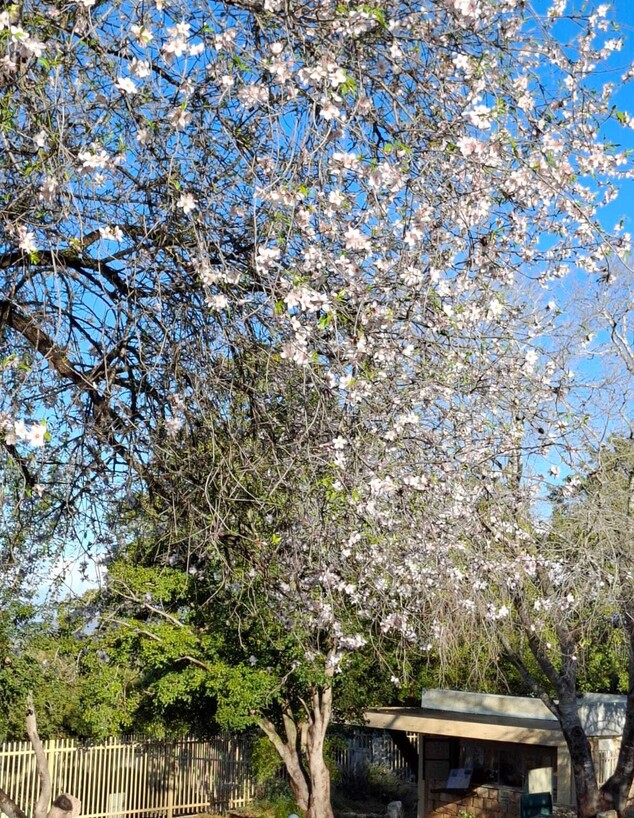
pixel 136 778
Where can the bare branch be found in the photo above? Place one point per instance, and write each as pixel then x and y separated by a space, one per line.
pixel 9 807
pixel 41 762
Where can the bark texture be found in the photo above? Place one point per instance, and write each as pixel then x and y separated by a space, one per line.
pixel 302 751
pixel 319 802
pixel 290 753
pixel 583 769
pixel 565 707
pixel 9 807
pixel 616 790
pixel 41 763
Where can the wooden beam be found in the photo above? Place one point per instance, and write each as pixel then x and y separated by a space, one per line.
pixel 454 725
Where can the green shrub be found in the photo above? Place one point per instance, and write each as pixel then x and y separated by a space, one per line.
pixel 279 805
pixel 264 761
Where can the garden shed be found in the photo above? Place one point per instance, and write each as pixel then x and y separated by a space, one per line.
pixel 478 752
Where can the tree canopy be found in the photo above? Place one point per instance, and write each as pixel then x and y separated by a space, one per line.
pixel 323 288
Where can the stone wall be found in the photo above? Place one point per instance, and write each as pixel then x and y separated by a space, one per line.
pixel 480 802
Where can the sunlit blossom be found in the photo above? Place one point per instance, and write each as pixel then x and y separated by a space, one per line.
pixel 179 118
pixel 142 34
pixel 356 240
pixel 187 203
pixel 26 240
pixel 217 302
pixel 127 85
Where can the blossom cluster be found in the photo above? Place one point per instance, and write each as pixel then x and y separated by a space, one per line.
pixel 17 431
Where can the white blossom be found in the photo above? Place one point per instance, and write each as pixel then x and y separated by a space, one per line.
pixel 187 203
pixel 126 85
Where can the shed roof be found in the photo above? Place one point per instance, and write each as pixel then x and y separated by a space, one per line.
pixel 498 718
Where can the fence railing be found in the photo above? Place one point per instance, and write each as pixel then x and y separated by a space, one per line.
pixel 372 747
pixel 605 765
pixel 136 778
pixel 125 777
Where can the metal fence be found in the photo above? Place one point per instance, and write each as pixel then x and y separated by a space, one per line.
pixel 360 749
pixel 127 777
pixel 136 778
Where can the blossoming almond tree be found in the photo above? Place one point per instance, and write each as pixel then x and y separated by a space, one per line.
pixel 246 523
pixel 391 199
pixel 549 596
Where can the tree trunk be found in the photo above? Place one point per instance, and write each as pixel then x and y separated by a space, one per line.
pixel 319 804
pixel 9 807
pixel 565 708
pixel 299 788
pixel 584 773
pixel 41 762
pixel 64 806
pixel 615 792
pixel 303 753
pixel 290 753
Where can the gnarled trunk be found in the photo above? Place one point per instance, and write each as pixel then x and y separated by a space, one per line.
pixel 615 792
pixel 290 753
pixel 565 707
pixel 302 752
pixel 319 805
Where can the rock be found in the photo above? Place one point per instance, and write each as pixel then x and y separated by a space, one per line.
pixel 395 809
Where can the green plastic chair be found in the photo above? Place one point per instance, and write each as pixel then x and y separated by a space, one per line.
pixel 536 803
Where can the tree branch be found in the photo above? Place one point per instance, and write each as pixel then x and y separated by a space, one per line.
pixel 9 807
pixel 269 729
pixel 41 807
pixel 107 421
pixel 537 648
pixel 21 464
pixel 529 680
